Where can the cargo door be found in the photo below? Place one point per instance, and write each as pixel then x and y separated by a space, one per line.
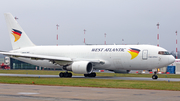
pixel 145 54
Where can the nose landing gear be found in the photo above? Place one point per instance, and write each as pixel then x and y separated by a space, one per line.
pixel 154 77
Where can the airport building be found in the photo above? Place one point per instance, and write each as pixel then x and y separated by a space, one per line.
pixel 16 64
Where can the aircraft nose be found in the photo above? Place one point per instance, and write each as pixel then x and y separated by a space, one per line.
pixel 171 59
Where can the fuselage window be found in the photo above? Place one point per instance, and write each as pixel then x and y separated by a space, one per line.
pixel 163 53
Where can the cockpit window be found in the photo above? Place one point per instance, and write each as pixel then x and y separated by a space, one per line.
pixel 163 53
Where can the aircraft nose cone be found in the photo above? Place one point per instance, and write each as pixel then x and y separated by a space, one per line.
pixel 171 59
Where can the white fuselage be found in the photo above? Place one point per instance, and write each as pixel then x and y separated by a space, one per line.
pixel 116 57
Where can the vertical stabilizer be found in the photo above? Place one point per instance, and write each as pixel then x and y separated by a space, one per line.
pixel 18 37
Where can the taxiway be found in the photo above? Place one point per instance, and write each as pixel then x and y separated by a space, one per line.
pixel 20 92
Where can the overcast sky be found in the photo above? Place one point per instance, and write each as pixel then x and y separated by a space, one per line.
pixel 132 20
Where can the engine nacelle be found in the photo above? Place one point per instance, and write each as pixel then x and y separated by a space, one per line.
pixel 81 67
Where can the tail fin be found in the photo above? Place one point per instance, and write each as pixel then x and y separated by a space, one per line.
pixel 18 37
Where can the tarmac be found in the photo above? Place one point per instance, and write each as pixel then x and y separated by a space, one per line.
pixel 21 92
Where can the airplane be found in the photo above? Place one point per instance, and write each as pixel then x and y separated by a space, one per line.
pixel 83 59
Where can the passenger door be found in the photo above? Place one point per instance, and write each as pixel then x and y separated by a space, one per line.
pixel 145 55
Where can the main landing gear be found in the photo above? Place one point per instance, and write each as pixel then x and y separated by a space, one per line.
pixel 69 75
pixel 90 75
pixel 154 76
pixel 65 74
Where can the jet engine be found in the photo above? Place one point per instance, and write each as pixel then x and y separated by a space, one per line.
pixel 80 67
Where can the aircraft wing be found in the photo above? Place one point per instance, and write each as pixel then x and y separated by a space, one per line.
pixel 54 59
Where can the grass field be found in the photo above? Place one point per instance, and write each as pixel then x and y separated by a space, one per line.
pixel 83 82
pixel 86 82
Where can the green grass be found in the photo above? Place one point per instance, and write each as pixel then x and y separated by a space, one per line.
pixel 46 72
pixel 84 82
pixel 41 72
pixel 87 82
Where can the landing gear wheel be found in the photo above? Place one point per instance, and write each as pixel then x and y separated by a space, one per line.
pixel 93 75
pixel 154 76
pixel 70 75
pixel 61 74
pixel 65 74
pixel 90 75
pixel 86 75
